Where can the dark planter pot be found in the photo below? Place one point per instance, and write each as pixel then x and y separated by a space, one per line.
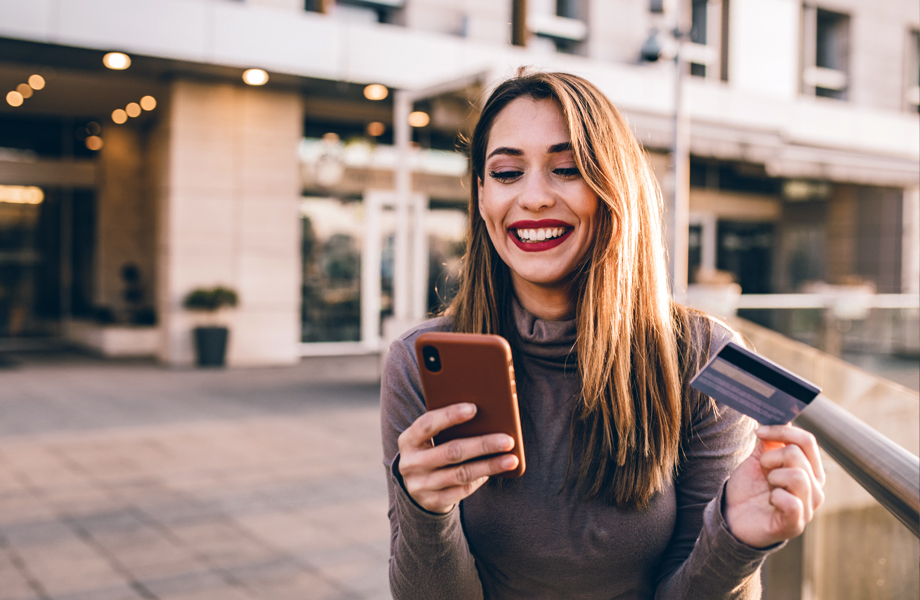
pixel 211 346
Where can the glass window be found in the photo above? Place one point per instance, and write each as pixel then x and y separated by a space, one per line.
pixel 832 53
pixel 446 228
pixel 331 251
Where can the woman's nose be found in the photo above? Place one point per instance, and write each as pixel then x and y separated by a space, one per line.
pixel 536 194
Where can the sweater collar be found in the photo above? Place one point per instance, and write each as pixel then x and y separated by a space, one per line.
pixel 542 338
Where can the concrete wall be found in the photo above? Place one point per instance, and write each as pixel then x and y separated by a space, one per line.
pixel 756 25
pixel 229 214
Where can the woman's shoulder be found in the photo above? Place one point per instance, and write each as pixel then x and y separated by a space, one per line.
pixel 402 349
pixel 439 324
pixel 708 333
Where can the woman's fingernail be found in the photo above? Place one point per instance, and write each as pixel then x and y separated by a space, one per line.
pixel 467 409
pixel 761 430
pixel 508 462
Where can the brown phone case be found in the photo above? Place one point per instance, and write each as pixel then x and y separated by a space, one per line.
pixel 473 368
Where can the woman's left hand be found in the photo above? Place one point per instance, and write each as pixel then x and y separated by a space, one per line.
pixel 774 493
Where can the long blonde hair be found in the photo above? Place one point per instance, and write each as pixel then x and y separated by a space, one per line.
pixel 628 429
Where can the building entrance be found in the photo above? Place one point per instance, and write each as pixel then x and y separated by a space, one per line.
pixel 46 238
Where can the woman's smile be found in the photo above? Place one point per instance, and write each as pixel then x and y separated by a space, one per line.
pixel 537 236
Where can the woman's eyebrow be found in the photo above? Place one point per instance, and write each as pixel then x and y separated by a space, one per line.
pixel 554 149
pixel 505 150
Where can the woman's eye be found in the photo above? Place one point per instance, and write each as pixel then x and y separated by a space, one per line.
pixel 567 172
pixel 505 175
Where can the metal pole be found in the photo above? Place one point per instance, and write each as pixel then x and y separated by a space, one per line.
pixel 519 22
pixel 886 470
pixel 680 165
pixel 370 276
pixel 402 132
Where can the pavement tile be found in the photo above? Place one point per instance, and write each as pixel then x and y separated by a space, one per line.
pixel 118 591
pixel 22 511
pixel 35 531
pixel 352 567
pixel 179 510
pixel 216 593
pixel 141 542
pixel 13 584
pixel 153 562
pixel 185 583
pixel 304 585
pixel 77 576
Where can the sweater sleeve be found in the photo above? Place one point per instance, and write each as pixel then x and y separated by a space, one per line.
pixel 429 554
pixel 704 560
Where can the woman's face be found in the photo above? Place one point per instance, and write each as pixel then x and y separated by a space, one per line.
pixel 540 213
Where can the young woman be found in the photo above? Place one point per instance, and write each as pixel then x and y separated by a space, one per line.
pixel 636 485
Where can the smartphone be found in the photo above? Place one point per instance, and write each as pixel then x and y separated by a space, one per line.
pixel 477 368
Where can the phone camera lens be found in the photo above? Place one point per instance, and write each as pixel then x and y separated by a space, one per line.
pixel 431 359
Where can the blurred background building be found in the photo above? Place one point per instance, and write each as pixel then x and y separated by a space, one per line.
pixel 129 179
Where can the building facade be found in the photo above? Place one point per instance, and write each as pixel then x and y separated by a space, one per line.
pixel 337 224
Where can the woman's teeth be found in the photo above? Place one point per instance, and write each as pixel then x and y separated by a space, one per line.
pixel 539 235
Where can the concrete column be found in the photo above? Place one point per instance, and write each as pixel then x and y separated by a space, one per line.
pixel 910 246
pixel 229 216
pixel 125 223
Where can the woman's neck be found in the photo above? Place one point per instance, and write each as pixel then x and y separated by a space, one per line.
pixel 547 303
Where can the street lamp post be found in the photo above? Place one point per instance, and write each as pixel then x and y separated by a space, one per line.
pixel 679 224
pixel 680 168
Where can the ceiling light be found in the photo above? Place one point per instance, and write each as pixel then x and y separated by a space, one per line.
pixel 14 99
pixel 375 91
pixel 117 61
pixel 119 116
pixel 375 128
pixel 20 194
pixel 418 119
pixel 37 82
pixel 133 109
pixel 255 77
pixel 94 142
pixel 148 103
pixel 24 90
pixel 93 128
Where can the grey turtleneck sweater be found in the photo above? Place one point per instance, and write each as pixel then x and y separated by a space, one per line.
pixel 535 537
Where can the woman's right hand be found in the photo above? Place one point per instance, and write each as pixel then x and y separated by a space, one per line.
pixel 438 477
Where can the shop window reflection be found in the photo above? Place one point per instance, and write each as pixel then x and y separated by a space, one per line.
pixel 331 252
pixel 447 228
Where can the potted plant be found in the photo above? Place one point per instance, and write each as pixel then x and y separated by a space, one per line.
pixel 211 339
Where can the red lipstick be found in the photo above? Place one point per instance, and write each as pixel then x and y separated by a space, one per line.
pixel 542 224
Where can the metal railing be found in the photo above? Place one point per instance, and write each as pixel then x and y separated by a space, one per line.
pixel 829 300
pixel 883 468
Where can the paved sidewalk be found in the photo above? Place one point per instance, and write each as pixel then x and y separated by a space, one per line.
pixel 123 481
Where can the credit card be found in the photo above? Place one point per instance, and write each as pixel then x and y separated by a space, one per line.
pixel 755 386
